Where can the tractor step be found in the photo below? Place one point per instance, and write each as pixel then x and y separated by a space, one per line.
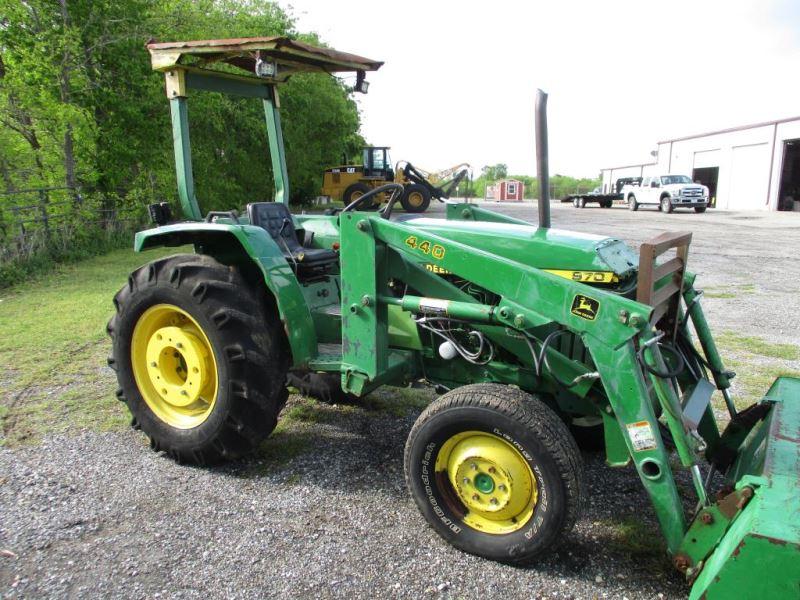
pixel 329 358
pixel 760 551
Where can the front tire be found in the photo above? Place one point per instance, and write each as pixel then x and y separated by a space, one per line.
pixel 416 198
pixel 581 202
pixel 632 203
pixel 666 205
pixel 495 472
pixel 700 209
pixel 200 361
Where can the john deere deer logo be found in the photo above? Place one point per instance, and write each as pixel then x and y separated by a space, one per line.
pixel 585 307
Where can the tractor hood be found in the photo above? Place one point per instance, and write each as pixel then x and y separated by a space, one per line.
pixel 550 249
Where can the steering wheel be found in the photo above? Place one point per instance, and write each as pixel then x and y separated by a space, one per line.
pixel 397 191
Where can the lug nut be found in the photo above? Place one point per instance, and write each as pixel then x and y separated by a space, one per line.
pixel 493 501
pixel 179 345
pixel 474 467
pixel 492 470
pixel 154 364
pixel 466 480
pixel 502 487
pixel 476 497
pixel 184 393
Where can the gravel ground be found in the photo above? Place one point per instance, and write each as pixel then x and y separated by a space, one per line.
pixel 102 515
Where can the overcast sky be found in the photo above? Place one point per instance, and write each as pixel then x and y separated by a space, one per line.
pixel 459 78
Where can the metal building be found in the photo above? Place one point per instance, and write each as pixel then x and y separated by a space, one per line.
pixel 752 167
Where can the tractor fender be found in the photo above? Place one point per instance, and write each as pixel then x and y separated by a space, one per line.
pixel 231 242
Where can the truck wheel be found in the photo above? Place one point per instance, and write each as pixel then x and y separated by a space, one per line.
pixel 354 192
pixel 666 204
pixel 699 209
pixel 199 360
pixel 581 202
pixel 608 203
pixel 495 472
pixel 575 202
pixel 632 204
pixel 416 198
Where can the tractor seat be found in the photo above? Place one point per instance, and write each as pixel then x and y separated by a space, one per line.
pixel 275 218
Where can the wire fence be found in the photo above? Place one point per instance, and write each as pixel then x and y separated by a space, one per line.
pixel 57 219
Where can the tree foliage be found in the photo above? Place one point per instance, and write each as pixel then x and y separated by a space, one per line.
pixel 80 105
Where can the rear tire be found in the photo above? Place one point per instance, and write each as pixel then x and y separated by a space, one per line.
pixel 607 203
pixel 416 198
pixel 632 204
pixel 581 202
pixel 354 192
pixel 223 335
pixel 517 472
pixel 666 205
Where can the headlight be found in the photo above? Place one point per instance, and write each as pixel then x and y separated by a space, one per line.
pixel 675 193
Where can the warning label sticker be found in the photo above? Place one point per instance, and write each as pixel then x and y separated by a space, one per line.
pixel 641 435
pixel 433 305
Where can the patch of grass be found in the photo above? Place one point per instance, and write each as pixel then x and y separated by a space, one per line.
pixel 732 341
pixel 54 347
pixel 398 402
pixel 752 381
pixel 288 440
pixel 307 410
pixel 631 535
pixel 729 291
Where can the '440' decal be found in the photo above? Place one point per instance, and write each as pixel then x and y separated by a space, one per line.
pixel 426 247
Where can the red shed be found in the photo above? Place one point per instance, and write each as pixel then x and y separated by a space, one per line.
pixel 506 190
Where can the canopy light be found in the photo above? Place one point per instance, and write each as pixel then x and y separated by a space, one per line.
pixel 362 85
pixel 265 68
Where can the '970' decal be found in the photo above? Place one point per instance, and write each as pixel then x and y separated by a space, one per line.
pixel 435 250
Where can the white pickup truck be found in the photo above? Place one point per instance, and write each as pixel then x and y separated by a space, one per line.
pixel 668 192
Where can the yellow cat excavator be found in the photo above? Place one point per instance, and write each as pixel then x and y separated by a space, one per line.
pixel 348 183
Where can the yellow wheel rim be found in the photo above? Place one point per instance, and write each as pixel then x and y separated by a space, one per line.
pixel 491 479
pixel 415 199
pixel 174 366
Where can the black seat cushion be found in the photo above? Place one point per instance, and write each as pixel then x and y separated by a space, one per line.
pixel 276 219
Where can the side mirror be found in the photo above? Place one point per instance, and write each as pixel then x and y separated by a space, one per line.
pixel 655 184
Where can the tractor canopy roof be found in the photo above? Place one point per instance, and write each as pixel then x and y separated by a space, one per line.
pixel 274 58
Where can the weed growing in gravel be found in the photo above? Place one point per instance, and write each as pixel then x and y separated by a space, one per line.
pixel 634 536
pixel 728 291
pixel 308 410
pixel 399 402
pixel 287 441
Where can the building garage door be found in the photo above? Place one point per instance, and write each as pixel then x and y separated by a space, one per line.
pixel 749 177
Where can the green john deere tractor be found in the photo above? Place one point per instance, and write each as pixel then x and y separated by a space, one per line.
pixel 535 336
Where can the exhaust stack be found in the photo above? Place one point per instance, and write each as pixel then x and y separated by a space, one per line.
pixel 542 161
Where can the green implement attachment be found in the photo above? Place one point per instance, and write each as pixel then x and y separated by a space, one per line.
pixel 750 539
